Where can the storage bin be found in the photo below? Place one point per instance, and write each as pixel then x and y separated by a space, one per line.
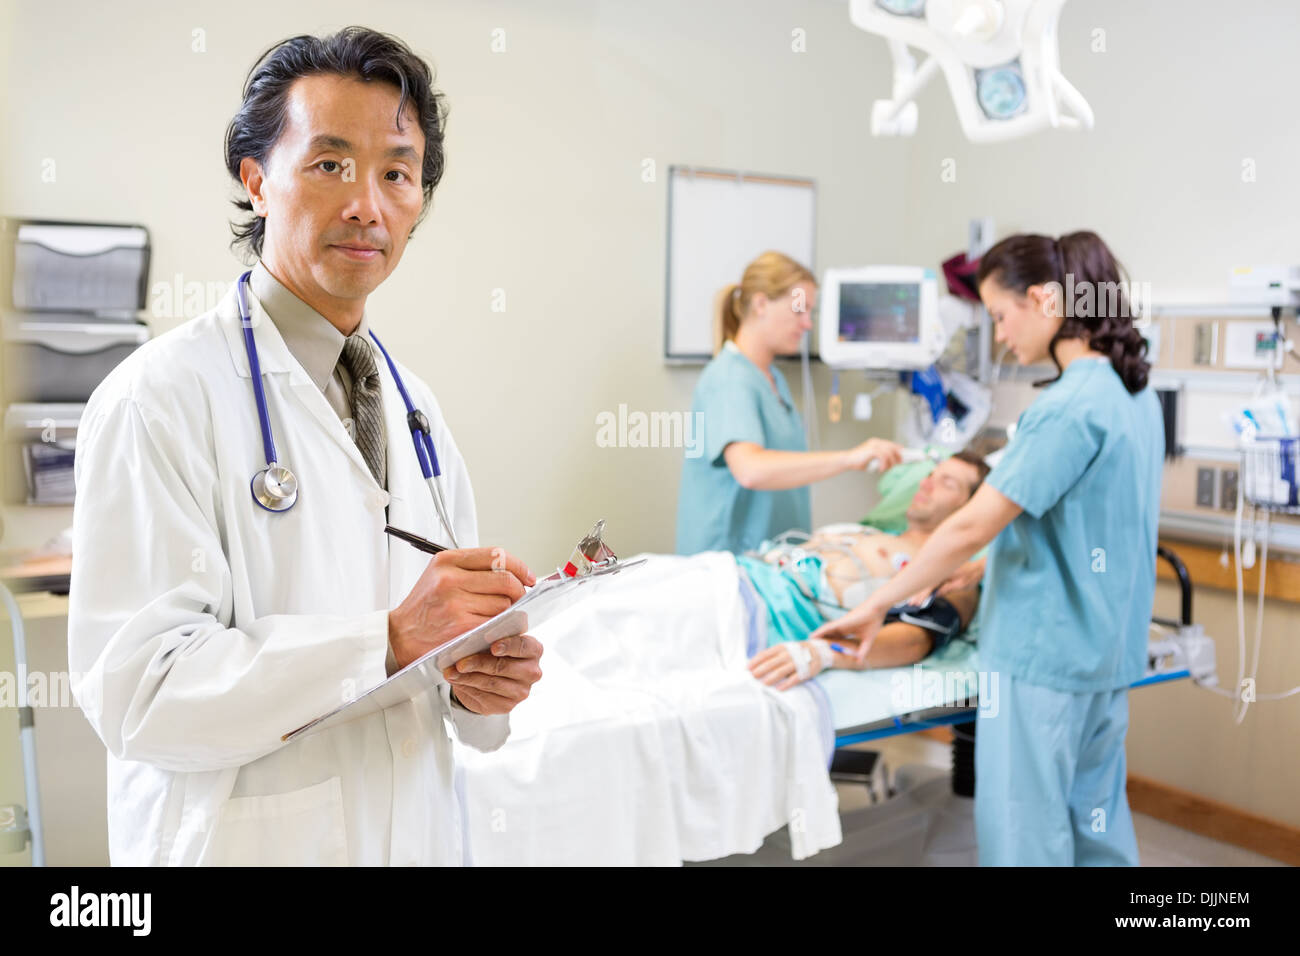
pixel 80 267
pixel 63 361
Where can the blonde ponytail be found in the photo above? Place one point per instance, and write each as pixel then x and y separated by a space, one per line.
pixel 726 316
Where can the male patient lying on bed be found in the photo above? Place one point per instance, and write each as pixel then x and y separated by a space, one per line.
pixel 803 584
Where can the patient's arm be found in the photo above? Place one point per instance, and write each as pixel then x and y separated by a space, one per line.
pixel 899 644
pixel 896 645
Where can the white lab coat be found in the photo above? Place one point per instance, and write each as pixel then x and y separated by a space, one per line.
pixel 201 628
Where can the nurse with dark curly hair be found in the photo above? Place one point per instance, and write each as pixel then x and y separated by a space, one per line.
pixel 1070 514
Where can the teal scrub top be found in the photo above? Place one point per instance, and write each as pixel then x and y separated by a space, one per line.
pixel 734 402
pixel 1069 584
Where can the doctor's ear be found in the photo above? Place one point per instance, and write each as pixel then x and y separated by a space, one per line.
pixel 250 174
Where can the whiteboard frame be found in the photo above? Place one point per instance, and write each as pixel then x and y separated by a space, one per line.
pixel 740 176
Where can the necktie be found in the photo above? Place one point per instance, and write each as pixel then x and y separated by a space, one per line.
pixel 367 404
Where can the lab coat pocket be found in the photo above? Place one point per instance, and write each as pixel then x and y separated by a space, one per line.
pixel 301 828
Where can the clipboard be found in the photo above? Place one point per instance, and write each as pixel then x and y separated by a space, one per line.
pixel 542 602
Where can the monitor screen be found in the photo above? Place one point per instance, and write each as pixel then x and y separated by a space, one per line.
pixel 880 312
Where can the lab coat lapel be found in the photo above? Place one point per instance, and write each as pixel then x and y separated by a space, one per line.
pixel 274 357
pixel 312 399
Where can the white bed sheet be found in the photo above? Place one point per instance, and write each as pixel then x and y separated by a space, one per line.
pixel 647 741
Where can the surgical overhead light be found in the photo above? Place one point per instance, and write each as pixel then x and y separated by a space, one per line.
pixel 1000 58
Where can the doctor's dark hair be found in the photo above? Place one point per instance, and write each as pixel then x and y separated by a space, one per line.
pixel 356 52
pixel 1079 260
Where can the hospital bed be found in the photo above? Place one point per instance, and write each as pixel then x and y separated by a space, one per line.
pixel 863 708
pixel 647 741
pixel 922 815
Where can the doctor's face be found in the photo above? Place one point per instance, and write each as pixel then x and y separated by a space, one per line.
pixel 1024 323
pixel 341 191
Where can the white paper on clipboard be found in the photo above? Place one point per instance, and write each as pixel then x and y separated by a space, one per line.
pixel 542 602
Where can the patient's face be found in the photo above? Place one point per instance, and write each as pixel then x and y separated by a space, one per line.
pixel 942 492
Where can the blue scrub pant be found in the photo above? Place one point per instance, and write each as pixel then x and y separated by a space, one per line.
pixel 1050 778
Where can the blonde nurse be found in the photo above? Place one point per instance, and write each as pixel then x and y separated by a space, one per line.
pixel 751 481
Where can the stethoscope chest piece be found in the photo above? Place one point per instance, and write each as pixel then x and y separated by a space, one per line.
pixel 275 488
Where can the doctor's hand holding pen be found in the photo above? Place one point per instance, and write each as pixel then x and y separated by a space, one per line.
pixel 459 590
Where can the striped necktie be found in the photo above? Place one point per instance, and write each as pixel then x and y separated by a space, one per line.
pixel 367 404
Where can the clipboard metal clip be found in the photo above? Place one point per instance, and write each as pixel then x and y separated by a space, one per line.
pixel 591 554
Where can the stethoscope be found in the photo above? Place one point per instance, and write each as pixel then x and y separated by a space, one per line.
pixel 275 488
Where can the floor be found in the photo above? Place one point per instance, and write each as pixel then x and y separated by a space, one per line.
pixel 1159 843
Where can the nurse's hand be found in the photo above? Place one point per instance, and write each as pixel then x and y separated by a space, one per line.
pixel 968 576
pixel 887 453
pixel 458 591
pixel 862 624
pixel 495 681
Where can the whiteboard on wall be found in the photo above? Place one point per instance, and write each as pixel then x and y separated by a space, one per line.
pixel 719 222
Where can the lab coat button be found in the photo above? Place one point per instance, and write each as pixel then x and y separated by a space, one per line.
pixel 380 499
pixel 408 748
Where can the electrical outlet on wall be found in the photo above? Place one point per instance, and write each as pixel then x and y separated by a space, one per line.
pixel 1205 487
pixel 1228 489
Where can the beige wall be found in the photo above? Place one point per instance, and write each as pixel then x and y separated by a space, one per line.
pixel 544 198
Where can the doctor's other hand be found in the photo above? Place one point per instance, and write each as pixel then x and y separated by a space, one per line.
pixel 885 452
pixel 458 591
pixel 862 624
pixel 495 681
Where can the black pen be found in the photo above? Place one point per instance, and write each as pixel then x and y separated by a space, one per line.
pixel 414 540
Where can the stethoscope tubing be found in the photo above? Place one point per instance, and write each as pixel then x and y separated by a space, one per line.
pixel 424 450
pixel 420 436
pixel 255 370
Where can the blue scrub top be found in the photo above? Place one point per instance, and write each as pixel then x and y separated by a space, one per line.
pixel 734 402
pixel 1069 584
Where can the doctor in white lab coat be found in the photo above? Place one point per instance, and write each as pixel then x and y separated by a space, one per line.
pixel 201 627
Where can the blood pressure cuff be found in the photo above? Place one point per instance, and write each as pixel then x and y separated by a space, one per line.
pixel 937 617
